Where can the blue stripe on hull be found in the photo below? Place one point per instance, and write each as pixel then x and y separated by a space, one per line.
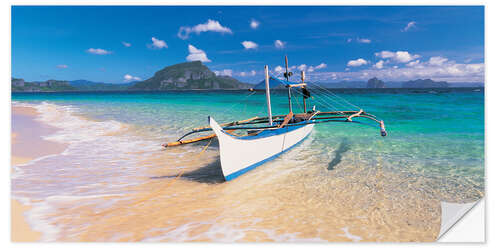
pixel 244 170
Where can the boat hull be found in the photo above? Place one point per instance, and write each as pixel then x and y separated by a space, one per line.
pixel 239 155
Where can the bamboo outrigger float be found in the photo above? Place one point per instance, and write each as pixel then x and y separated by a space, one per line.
pixel 268 137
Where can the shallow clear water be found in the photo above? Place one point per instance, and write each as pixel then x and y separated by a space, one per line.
pixel 434 149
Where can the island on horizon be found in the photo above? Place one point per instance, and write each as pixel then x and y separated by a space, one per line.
pixel 196 76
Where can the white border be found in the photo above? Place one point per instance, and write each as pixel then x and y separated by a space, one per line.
pixel 492 45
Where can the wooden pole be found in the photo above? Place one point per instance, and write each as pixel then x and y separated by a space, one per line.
pixel 303 77
pixel 177 143
pixel 268 97
pixel 289 91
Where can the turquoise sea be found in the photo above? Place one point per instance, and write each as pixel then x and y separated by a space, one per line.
pixel 434 148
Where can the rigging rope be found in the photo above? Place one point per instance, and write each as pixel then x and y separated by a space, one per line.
pixel 322 92
pixel 319 93
pixel 321 101
pixel 335 95
pixel 328 93
pixel 231 107
pixel 325 102
pixel 237 103
pixel 328 105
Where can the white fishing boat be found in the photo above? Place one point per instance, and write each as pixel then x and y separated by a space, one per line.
pixel 261 143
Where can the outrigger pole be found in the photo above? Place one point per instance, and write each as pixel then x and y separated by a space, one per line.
pixel 288 74
pixel 303 78
pixel 319 117
pixel 268 97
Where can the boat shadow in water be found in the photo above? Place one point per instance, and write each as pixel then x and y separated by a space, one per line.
pixel 210 173
pixel 343 147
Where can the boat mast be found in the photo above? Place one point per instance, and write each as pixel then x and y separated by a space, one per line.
pixel 287 74
pixel 303 77
pixel 268 97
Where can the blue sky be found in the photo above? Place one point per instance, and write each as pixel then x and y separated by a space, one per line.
pixel 124 43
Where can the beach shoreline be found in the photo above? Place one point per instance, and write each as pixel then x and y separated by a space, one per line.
pixel 27 145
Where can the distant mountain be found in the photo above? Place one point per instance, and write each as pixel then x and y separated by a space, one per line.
pixel 273 84
pixel 189 75
pixel 393 84
pixel 85 85
pixel 427 83
pixel 375 83
pixel 344 84
pixel 19 85
pixel 466 84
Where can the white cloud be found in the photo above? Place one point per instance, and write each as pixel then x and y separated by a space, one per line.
pixel 128 78
pixel 250 73
pixel 413 64
pixel 359 40
pixel 409 26
pixel 98 51
pixel 254 24
pixel 224 72
pixel 320 66
pixel 279 69
pixel 302 67
pixel 385 54
pixel 398 56
pixel 333 76
pixel 126 44
pixel 196 54
pixel 249 45
pixel 364 40
pixel 158 44
pixel 210 25
pixel 448 71
pixel 475 68
pixel 279 44
pixel 379 64
pixel 437 60
pixel 356 63
pixel 62 66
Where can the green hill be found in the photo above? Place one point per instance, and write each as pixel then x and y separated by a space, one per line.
pixel 427 83
pixel 85 85
pixel 19 85
pixel 189 75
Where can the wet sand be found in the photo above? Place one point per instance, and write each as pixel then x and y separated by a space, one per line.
pixel 27 133
pixel 27 144
pixel 195 205
pixel 20 229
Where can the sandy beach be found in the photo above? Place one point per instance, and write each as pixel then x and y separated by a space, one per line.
pixel 27 144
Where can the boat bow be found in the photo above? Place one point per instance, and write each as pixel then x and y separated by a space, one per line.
pixel 238 155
